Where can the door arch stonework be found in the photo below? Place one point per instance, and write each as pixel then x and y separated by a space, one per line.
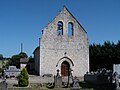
pixel 60 62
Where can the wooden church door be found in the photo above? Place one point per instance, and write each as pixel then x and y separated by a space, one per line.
pixel 65 68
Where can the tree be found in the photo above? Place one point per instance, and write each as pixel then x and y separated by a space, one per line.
pixel 1 56
pixel 15 60
pixel 23 55
pixel 104 56
pixel 31 59
pixel 23 78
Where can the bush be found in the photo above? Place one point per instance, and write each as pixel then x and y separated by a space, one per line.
pixel 23 78
pixel 1 70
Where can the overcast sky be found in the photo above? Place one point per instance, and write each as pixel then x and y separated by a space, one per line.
pixel 21 21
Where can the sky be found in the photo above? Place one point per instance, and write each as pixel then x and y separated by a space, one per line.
pixel 21 21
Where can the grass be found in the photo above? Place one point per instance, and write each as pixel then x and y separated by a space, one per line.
pixel 43 89
pixel 38 87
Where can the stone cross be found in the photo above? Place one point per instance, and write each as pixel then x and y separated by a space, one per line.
pixel 75 84
pixel 58 80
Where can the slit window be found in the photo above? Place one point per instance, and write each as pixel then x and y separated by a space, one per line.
pixel 60 28
pixel 70 29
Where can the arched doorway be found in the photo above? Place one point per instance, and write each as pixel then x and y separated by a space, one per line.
pixel 65 66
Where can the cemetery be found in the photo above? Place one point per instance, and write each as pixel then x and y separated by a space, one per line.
pixel 61 61
pixel 100 80
pixel 12 71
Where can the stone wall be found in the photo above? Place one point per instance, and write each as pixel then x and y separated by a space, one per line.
pixel 54 48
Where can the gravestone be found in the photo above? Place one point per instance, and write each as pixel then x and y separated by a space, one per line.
pixel 75 84
pixel 3 85
pixel 58 80
pixel 70 78
pixel 117 81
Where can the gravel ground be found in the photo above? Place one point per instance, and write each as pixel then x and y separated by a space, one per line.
pixel 39 79
pixel 32 79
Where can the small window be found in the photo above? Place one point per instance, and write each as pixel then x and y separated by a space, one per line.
pixel 60 28
pixel 70 29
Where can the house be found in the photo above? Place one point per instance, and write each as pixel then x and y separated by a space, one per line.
pixel 27 63
pixel 63 46
pixel 23 62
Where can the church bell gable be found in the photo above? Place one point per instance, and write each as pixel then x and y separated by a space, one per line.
pixel 64 24
pixel 64 46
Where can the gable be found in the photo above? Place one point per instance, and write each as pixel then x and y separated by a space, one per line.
pixel 65 17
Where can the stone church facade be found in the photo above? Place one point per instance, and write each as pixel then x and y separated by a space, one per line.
pixel 63 46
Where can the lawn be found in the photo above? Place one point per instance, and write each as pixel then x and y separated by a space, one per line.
pixel 43 89
pixel 38 87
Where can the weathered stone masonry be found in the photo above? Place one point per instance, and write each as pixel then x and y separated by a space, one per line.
pixel 61 49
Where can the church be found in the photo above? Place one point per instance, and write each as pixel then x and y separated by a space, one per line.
pixel 63 46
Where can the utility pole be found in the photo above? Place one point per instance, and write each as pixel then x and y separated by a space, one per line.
pixel 21 47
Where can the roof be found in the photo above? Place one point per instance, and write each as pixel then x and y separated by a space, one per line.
pixel 37 48
pixel 24 60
